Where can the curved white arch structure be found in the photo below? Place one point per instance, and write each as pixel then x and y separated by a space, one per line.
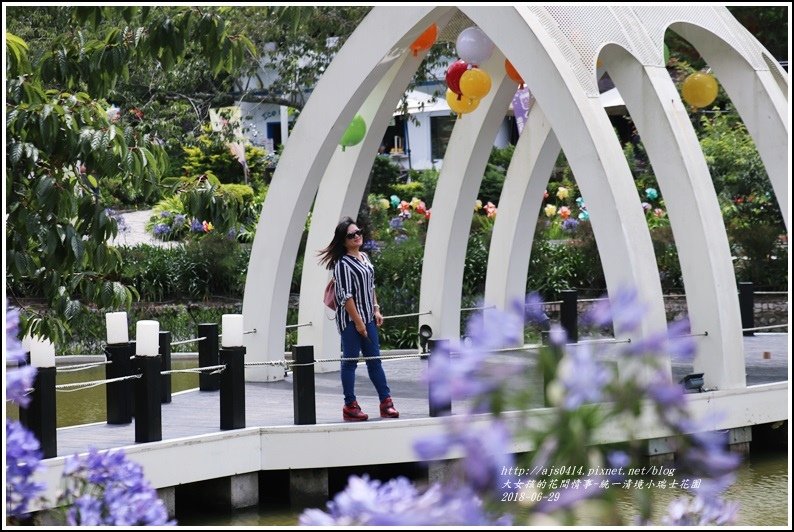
pixel 555 49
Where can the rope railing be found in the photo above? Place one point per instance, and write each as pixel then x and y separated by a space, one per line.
pixel 212 369
pixel 81 367
pixel 76 386
pixel 189 341
pixel 296 325
pixel 771 293
pixel 780 326
pixel 407 315
pixel 478 308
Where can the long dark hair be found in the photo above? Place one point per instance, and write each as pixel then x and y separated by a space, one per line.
pixel 336 249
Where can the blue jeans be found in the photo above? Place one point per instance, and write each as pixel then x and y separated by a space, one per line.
pixel 352 344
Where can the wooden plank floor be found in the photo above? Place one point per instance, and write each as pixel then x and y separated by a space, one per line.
pixel 194 413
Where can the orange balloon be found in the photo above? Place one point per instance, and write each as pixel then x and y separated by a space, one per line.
pixel 426 40
pixel 461 105
pixel 699 89
pixel 475 83
pixel 512 73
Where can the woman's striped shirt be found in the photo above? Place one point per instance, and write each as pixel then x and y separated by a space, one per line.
pixel 354 278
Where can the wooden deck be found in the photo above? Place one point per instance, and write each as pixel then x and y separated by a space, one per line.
pixel 194 413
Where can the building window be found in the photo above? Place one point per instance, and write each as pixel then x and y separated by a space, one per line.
pixel 440 131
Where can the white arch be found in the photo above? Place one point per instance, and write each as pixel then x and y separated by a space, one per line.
pixel 522 195
pixel 380 40
pixel 564 91
pixel 693 210
pixel 587 139
pixel 453 204
pixel 339 195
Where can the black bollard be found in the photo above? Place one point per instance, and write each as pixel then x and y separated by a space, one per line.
pixel 118 395
pixel 303 399
pixel 442 406
pixel 747 307
pixel 208 356
pixel 232 386
pixel 40 414
pixel 165 365
pixel 568 315
pixel 148 413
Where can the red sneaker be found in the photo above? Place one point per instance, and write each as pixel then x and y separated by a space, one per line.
pixel 387 408
pixel 352 412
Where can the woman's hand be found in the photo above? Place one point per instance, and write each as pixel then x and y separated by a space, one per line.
pixel 362 329
pixel 378 318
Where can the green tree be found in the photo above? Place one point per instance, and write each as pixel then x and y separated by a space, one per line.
pixel 63 143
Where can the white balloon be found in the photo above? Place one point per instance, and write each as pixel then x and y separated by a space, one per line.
pixel 474 46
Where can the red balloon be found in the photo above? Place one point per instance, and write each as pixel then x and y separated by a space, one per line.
pixel 512 73
pixel 454 72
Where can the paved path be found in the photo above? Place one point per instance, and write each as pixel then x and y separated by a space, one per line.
pixel 136 233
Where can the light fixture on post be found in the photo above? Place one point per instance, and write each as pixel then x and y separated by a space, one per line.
pixel 692 383
pixel 425 334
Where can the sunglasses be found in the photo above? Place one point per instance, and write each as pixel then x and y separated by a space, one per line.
pixel 354 234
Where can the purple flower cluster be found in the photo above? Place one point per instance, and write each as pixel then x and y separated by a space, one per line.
pixel 583 378
pixel 487 451
pixel 20 380
pixel 196 226
pixel 23 458
pixel 162 229
pixel 104 488
pixel 366 502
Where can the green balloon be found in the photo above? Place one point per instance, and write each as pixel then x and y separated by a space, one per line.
pixel 355 133
pixel 666 54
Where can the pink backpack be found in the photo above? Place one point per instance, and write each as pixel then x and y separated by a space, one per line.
pixel 329 297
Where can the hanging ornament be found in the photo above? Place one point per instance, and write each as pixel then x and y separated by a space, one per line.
pixel 475 83
pixel 513 74
pixel 474 46
pixel 426 40
pixel 699 89
pixel 355 133
pixel 459 105
pixel 454 72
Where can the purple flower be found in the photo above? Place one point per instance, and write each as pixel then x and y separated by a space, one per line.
pixel 370 246
pixel 366 502
pixel 14 350
pixel 161 229
pixel 676 341
pixel 179 221
pixel 623 310
pixel 557 335
pixel 22 461
pixel 685 511
pixel 18 382
pixel 400 238
pixel 533 310
pixel 85 511
pixel 570 224
pixel 582 377
pixel 396 223
pixel 196 226
pixel 666 394
pixel 646 206
pixel 108 487
pixel 165 214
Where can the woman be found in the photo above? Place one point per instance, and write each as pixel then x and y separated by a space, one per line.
pixel 357 316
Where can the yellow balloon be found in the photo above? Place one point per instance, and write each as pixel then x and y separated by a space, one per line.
pixel 699 89
pixel 463 105
pixel 475 83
